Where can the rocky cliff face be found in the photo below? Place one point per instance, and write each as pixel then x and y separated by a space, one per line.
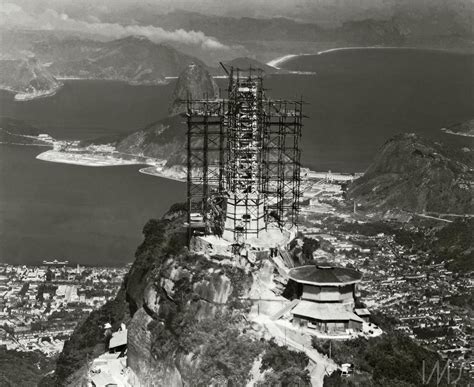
pixel 27 78
pixel 193 83
pixel 186 318
pixel 167 333
pixel 414 174
pixel 177 299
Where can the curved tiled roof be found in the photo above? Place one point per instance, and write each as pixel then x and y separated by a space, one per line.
pixel 325 275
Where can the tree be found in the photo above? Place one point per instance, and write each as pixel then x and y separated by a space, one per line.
pixel 49 275
pixel 288 368
pixel 310 245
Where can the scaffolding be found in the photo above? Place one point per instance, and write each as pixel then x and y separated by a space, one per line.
pixel 243 160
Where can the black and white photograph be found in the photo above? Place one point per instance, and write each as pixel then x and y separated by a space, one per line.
pixel 227 193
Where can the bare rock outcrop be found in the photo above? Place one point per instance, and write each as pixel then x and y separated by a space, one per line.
pixel 187 317
pixel 194 82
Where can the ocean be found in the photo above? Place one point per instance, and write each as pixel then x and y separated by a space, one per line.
pixel 83 214
pixel 360 98
pixel 356 101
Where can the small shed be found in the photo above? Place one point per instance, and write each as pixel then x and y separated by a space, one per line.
pixel 103 379
pixel 363 313
pixel 118 341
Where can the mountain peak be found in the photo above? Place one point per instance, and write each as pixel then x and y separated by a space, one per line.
pixel 415 174
pixel 194 82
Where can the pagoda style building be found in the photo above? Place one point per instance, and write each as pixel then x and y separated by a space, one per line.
pixel 327 298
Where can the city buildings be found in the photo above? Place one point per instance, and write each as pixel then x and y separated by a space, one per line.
pixel 41 305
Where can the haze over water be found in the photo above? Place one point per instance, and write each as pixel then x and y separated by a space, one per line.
pixel 357 100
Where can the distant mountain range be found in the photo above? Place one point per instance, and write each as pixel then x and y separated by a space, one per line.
pixel 415 174
pixel 136 60
pixel 427 24
pixel 431 22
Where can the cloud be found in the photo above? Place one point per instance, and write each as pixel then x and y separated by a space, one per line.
pixel 13 16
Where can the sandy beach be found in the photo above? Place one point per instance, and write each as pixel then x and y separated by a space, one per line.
pixel 447 131
pixel 278 61
pixel 91 159
pixel 353 48
pixel 164 173
pixel 85 159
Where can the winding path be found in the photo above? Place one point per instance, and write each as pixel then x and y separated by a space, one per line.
pixel 322 365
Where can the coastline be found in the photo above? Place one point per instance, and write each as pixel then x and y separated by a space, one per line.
pixel 282 59
pixel 154 171
pixel 277 62
pixel 85 159
pixel 97 160
pixel 19 96
pixel 24 97
pixel 154 167
pixel 158 82
pixel 22 144
pixel 362 48
pixel 414 48
pixel 448 131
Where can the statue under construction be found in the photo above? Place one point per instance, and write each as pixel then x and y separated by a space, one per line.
pixel 243 160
